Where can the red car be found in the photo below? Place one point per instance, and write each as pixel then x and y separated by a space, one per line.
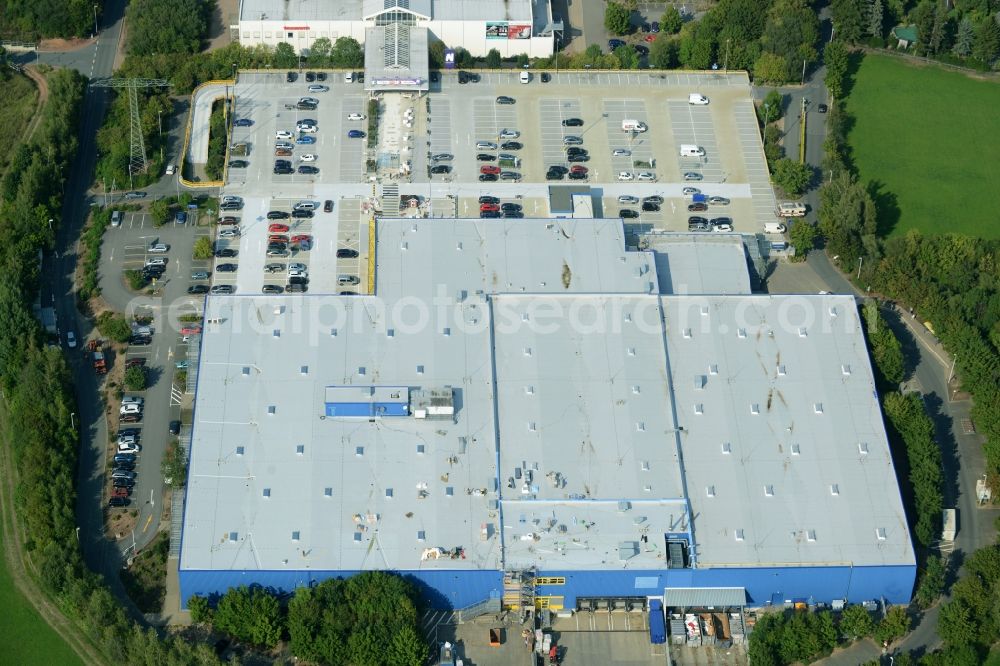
pixel 191 330
pixel 302 238
pixel 578 168
pixel 650 38
pixel 134 362
pixel 277 239
pixel 277 228
pixel 489 208
pixel 486 168
pixel 121 492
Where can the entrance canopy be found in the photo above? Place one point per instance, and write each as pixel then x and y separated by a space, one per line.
pixel 705 597
pixel 396 58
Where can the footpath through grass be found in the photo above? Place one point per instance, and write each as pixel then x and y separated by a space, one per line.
pixel 930 138
pixel 18 101
pixel 26 638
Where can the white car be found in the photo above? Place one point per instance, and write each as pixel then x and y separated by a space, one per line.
pixel 292 274
pixel 647 176
pixel 159 248
pixel 355 116
pixel 509 134
pixel 283 134
pixel 130 409
pixel 628 199
pixel 722 227
pixel 307 129
pixel 229 233
pixel 621 152
pixel 296 267
pixel 308 157
pixel 318 88
pixel 697 99
pixel 625 176
pixel 71 339
pixel 128 448
pixel 157 261
pixel 691 190
pixel 485 145
pixel 284 145
pixel 171 168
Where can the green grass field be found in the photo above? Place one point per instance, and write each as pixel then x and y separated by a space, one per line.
pixel 18 97
pixel 26 638
pixel 931 139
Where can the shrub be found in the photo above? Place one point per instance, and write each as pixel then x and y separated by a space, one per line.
pixel 135 379
pixel 113 327
pixel 202 248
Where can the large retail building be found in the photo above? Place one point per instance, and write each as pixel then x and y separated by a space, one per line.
pixel 529 413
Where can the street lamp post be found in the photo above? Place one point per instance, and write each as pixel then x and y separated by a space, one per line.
pixel 95 21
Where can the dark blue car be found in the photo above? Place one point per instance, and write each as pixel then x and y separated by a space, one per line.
pixel 615 43
pixel 244 122
pixel 355 134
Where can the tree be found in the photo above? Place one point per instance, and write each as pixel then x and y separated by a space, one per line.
pixel 791 31
pixel 923 17
pixel 617 19
pixel 200 609
pixel 876 18
pixel 848 20
pixel 791 176
pixel 663 52
pixel 435 54
pixel 835 58
pixel 407 648
pixel 319 52
pixel 771 108
pixel 856 622
pixel 627 57
pixel 671 22
pixel 166 26
pixel 803 236
pixel 159 210
pixel 493 59
pixel 284 56
pixel 895 624
pixel 887 352
pixel 940 30
pixel 250 614
pixel 770 68
pixel 931 582
pixel 987 41
pixel 347 52
pixel 113 327
pixel 202 248
pixel 964 37
pixel 847 216
pixel 135 378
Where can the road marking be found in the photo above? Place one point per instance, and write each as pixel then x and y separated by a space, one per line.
pixel 149 518
pixel 111 258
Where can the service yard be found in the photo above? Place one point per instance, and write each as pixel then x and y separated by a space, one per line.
pixel 619 133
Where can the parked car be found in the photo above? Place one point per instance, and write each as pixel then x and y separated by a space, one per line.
pixel 440 168
pixel 650 207
pixel 718 201
pixel 572 122
pixel 488 178
pixel 621 152
pixel 509 134
pixel 572 141
pixel 223 289
pixel 135 195
pixel 546 77
pixel 196 289
pixel 119 502
pixel 716 221
pixel 272 289
pixel 692 175
pixel 628 199
pixel 226 268
pixel 278 215
pixel 503 99
pixel 489 199
pixel 318 89
pixel 486 157
pixel 226 253
pixel 355 134
pixel 243 122
pixel 290 77
pixel 511 145
pixel 442 157
pixel 328 206
pixel 200 275
pixel 159 248
pixel 174 427
pixel 697 207
pixel 625 176
pixel 238 164
pixel 344 253
pixel 277 228
pixel 627 213
pixel 310 170
pixel 356 116
pixel 305 139
pixel 303 214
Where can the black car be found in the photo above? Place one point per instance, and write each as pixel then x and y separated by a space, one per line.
pixel 823 108
pixel 303 214
pixel 435 77
pixel 511 145
pixel 489 213
pixel 238 164
pixel 174 427
pixel 223 289
pixel 513 214
pixel 576 150
pixel 645 27
pixel 507 207
pixel 297 288
pixel 282 163
pixel 641 50
pixel 273 289
pixel 125 466
pixel 627 213
pixel 125 458
pixel 697 219
pixel 572 122
pixel 488 199
pixel 310 77
pixel 328 206
pixel 305 168
pixel 119 502
pixel 198 289
pixel 277 215
pixel 503 99
pixel 122 483
pixel 463 77
pixel 488 178
pixel 441 168
pixel 140 340
pixel 657 199
pixel 577 175
pixel 226 253
pixel 283 171
pixel 231 205
pixel 226 268
pixel 485 157
pixel 320 76
pixel 546 77
pixel 344 253
pixel 650 207
pixel 291 77
pixel 578 158
pixel 720 220
pixel 305 106
pixel 554 175
pixel 558 168
pixel 277 247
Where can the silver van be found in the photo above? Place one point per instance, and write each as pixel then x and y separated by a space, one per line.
pixel 347 279
pixel 116 218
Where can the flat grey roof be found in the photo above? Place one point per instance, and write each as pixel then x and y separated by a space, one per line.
pixel 483 10
pixel 372 8
pixel 704 597
pixel 785 452
pixel 300 10
pixel 699 263
pixel 447 257
pixel 396 58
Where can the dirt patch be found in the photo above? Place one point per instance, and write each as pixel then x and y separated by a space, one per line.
pixel 43 96
pixel 225 14
pixel 57 45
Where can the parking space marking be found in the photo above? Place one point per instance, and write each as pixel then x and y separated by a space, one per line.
pixel 552 111
pixel 693 125
pixel 761 192
pixel 638 144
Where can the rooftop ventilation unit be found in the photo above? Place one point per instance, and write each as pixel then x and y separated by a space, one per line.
pixel 433 403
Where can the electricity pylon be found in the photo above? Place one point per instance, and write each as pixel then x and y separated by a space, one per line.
pixel 137 147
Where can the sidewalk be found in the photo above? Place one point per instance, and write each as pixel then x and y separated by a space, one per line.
pixel 171 615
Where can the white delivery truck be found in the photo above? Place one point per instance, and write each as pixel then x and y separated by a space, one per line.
pixel 689 150
pixel 774 228
pixel 697 99
pixel 630 125
pixel 791 209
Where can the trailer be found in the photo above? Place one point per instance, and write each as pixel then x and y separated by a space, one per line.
pixel 949 525
pixel 96 350
pixel 657 623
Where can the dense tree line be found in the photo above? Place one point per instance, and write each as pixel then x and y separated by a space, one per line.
pixel 38 398
pixel 114 145
pixel 38 19
pixel 887 352
pixel 217 140
pixel 368 619
pixel 966 30
pixel 167 26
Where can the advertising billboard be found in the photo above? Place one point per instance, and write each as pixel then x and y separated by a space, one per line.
pixel 496 30
pixel 518 31
pixel 505 30
pixel 449 58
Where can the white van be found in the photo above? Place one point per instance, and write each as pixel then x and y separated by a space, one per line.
pixel 690 150
pixel 349 77
pixel 116 218
pixel 792 209
pixel 525 77
pixel 630 125
pixel 343 280
pixel 697 99
pixel 774 228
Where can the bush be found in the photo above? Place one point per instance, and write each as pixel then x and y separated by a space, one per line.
pixel 93 237
pixel 113 327
pixel 856 622
pixel 791 176
pixel 136 280
pixel 887 352
pixel 671 22
pixel 772 108
pixel 895 624
pixel 218 139
pixel 135 379
pixel 202 248
pixel 250 614
pixel 201 611
pixel 167 26
pixel 617 18
pixel 159 210
pixel 174 464
pixel 493 59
